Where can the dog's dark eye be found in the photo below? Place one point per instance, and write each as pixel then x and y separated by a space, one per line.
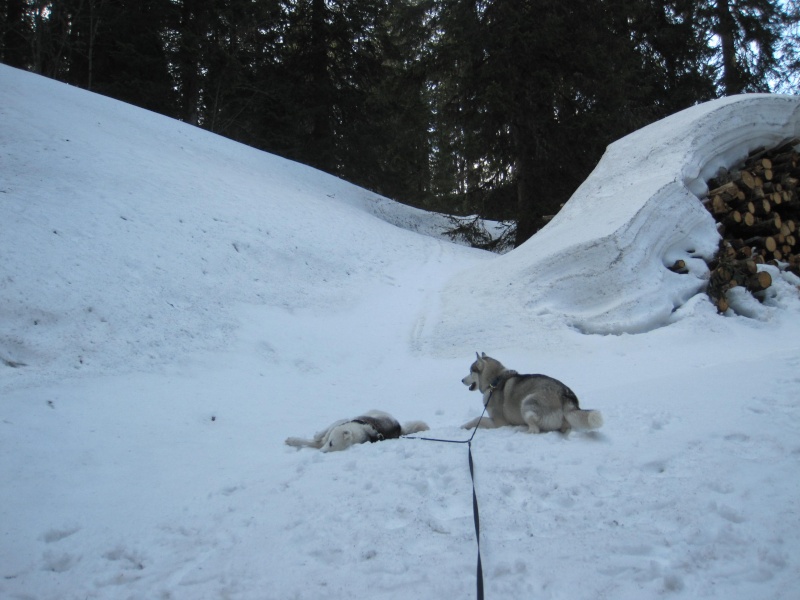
pixel 474 368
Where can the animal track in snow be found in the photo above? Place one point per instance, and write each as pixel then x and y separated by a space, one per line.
pixel 728 513
pixel 655 466
pixel 128 560
pixel 59 562
pixel 55 535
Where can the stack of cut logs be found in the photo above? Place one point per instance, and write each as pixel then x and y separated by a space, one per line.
pixel 757 207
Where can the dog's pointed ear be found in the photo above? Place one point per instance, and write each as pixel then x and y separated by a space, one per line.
pixel 478 356
pixel 483 354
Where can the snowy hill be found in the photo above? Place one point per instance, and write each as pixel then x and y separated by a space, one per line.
pixel 178 304
pixel 128 235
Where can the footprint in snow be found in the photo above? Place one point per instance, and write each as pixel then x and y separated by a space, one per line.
pixel 56 535
pixel 127 559
pixel 59 562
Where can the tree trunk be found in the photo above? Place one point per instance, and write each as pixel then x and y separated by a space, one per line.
pixel 527 163
pixel 526 199
pixel 14 45
pixel 726 28
pixel 322 136
pixel 190 58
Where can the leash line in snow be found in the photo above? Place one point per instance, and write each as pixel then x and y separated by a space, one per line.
pixel 475 513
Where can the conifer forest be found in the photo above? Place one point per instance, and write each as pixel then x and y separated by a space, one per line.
pixel 495 108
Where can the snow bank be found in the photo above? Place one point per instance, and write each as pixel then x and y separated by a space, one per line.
pixel 128 237
pixel 602 262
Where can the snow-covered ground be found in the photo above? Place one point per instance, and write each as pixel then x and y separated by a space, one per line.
pixel 176 305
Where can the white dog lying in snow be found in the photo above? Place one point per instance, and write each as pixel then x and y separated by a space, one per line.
pixel 372 426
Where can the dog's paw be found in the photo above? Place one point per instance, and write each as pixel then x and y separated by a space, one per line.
pixel 298 442
pixel 413 427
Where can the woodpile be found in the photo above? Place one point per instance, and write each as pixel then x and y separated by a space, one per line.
pixel 757 208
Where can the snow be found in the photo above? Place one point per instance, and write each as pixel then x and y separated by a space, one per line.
pixel 182 304
pixel 634 215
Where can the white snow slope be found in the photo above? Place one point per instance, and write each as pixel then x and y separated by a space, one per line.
pixel 176 305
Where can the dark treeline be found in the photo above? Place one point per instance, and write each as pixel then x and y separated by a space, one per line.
pixel 494 107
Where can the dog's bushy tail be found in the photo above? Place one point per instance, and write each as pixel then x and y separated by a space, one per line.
pixel 413 427
pixel 585 419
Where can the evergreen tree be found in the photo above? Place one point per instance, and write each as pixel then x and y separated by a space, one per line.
pixel 310 96
pixel 346 94
pixel 494 107
pixel 238 60
pixel 383 107
pixel 748 34
pixel 15 34
pixel 188 54
pixel 532 101
pixel 671 39
pixel 788 80
pixel 124 54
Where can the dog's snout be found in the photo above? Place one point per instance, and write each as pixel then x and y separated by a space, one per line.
pixel 470 382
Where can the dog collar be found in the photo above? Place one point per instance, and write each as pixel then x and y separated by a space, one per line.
pixel 502 378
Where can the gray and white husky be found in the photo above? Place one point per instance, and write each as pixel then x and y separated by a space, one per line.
pixel 372 426
pixel 538 401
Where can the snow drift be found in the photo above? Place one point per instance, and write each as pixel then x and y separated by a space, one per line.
pixel 602 261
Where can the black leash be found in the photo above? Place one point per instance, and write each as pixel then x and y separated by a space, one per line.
pixel 475 513
pixel 479 575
